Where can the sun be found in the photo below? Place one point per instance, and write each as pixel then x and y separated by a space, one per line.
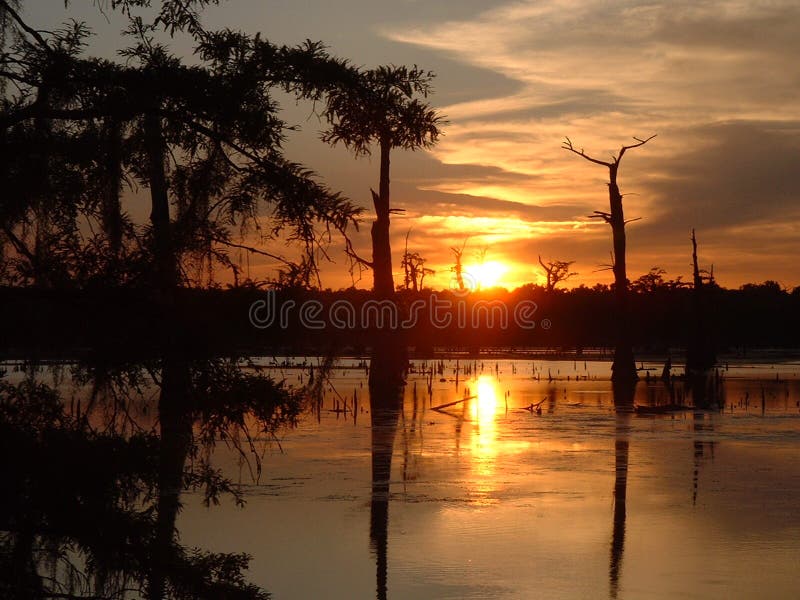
pixel 484 275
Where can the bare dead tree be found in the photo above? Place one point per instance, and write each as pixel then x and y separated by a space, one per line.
pixel 697 278
pixel 556 272
pixel 701 276
pixel 424 272
pixel 700 356
pixel 406 269
pixel 624 367
pixel 458 268
pixel 414 269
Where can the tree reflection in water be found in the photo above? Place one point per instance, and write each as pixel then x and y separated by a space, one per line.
pixel 386 388
pixel 92 486
pixel 623 404
pixel 707 395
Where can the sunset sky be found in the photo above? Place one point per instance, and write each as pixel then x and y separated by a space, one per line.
pixel 719 82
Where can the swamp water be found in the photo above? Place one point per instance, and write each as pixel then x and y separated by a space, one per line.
pixel 533 483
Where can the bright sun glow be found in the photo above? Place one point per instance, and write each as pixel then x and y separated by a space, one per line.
pixel 483 409
pixel 484 275
pixel 485 405
pixel 486 410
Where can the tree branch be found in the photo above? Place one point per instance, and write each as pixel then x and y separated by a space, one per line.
pixel 350 251
pixel 599 214
pixel 640 142
pixel 18 244
pixel 27 28
pixel 19 78
pixel 567 145
pixel 250 249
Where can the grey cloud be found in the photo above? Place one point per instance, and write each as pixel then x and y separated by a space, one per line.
pixel 737 173
pixel 746 31
pixel 434 203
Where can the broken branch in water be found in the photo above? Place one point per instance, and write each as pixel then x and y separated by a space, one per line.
pixel 441 406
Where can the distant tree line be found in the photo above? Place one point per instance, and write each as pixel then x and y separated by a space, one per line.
pixel 216 321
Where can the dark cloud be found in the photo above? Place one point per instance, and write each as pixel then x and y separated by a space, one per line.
pixel 413 172
pixel 442 204
pixel 746 30
pixel 730 174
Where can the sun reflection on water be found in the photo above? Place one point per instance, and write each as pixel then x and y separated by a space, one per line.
pixel 483 411
pixel 489 441
pixel 484 407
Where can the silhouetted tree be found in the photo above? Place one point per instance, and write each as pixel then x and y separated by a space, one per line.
pixel 556 272
pixel 624 367
pixel 768 288
pixel 700 356
pixel 458 268
pixel 205 139
pixel 414 269
pixel 382 109
pixel 649 282
pixel 654 281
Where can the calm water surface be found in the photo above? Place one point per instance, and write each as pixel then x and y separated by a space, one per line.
pixel 488 499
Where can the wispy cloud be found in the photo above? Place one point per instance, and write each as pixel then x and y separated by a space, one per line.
pixel 716 80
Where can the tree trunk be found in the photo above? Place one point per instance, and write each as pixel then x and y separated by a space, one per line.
pixel 459 273
pixel 166 271
pixel 624 393
pixel 383 284
pixel 175 440
pixel 386 388
pixel 700 356
pixel 624 367
pixel 43 264
pixel 111 208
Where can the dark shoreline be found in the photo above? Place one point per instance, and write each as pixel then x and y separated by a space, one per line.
pixel 133 323
pixel 756 356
